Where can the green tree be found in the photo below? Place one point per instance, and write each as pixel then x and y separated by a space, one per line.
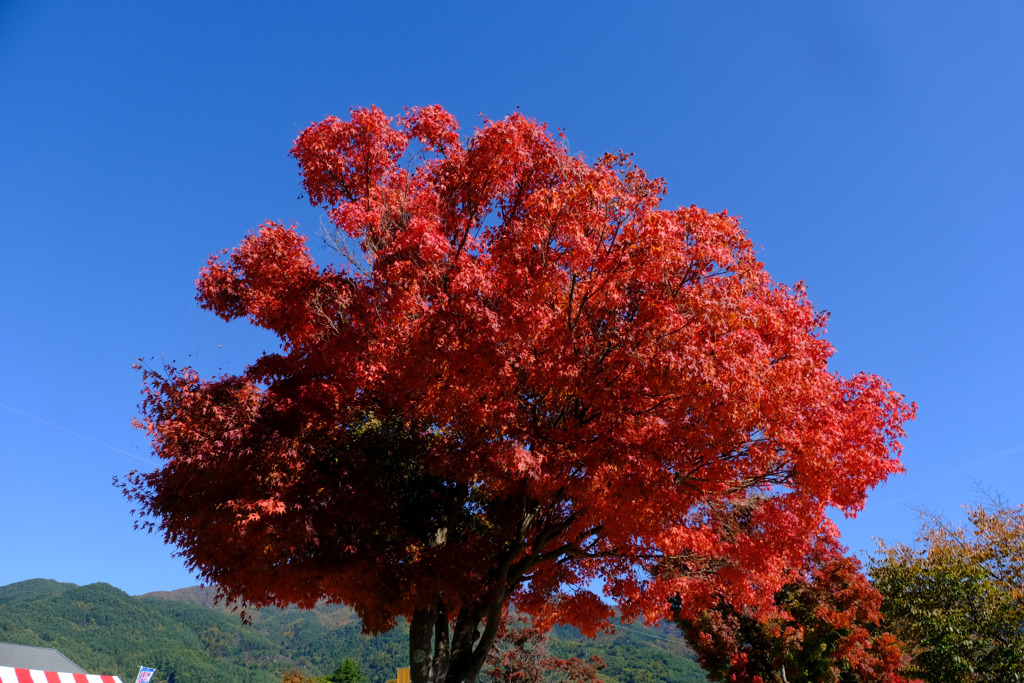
pixel 958 597
pixel 347 672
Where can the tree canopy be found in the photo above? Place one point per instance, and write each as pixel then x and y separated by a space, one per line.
pixel 347 672
pixel 829 629
pixel 520 655
pixel 527 377
pixel 958 596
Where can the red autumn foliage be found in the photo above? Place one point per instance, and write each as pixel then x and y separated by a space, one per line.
pixel 521 655
pixel 827 627
pixel 529 376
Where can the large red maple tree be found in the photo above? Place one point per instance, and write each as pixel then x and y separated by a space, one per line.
pixel 527 379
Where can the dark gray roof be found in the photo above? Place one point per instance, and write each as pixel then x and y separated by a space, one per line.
pixel 42 658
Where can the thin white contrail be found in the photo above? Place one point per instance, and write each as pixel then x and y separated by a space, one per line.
pixel 1000 454
pixel 80 436
pixel 906 500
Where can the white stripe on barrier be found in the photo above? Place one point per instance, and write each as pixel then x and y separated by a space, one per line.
pixel 10 675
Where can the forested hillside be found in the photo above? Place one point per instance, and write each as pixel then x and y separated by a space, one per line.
pixel 633 654
pixel 189 639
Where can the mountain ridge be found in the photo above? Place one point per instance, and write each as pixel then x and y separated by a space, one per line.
pixel 189 637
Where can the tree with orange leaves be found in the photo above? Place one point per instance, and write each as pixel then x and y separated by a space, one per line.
pixel 958 596
pixel 527 377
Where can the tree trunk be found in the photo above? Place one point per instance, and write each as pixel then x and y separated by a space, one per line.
pixel 437 656
pixel 459 656
pixel 421 630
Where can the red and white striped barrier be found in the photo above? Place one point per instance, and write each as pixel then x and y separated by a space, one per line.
pixel 9 675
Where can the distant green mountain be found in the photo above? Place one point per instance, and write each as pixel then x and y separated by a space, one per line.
pixel 633 653
pixel 105 630
pixel 189 639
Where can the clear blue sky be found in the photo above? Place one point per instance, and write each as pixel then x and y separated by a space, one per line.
pixel 874 149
